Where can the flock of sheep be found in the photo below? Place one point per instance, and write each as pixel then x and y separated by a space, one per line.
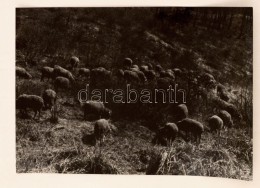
pixel 199 84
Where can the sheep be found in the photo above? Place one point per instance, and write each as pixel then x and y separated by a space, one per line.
pixel 208 80
pixel 158 68
pixel 33 102
pixel 128 62
pixel 164 83
pixel 177 72
pixel 167 74
pixel 131 76
pixel 215 123
pixel 61 82
pixel 22 73
pixel 47 72
pixel 144 68
pixel 101 128
pixel 141 76
pixel 166 134
pixel 222 92
pixel 96 108
pixel 230 108
pixel 74 62
pixel 84 72
pixel 179 112
pixel 191 126
pixel 150 66
pixel 59 71
pixel 226 117
pixel 100 74
pixel 136 67
pixel 119 74
pixel 150 74
pixel 49 97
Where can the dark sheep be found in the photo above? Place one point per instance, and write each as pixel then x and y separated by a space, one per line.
pixel 144 68
pixel 180 112
pixel 192 127
pixel 164 83
pixel 167 74
pixel 100 74
pixel 215 123
pixel 136 67
pixel 22 73
pixel 177 72
pixel 33 102
pixel 97 109
pixel 102 128
pixel 59 71
pixel 230 108
pixel 47 72
pixel 150 66
pixel 61 82
pixel 84 72
pixel 226 117
pixel 131 77
pixel 222 92
pixel 158 68
pixel 49 97
pixel 208 80
pixel 150 74
pixel 166 134
pixel 128 62
pixel 141 76
pixel 74 62
pixel 119 74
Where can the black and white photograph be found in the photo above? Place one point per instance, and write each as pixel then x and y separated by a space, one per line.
pixel 134 91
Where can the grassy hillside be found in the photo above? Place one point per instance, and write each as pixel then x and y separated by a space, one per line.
pixel 193 39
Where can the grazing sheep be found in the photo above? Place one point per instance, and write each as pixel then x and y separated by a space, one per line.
pixel 141 76
pixel 100 74
pixel 144 68
pixel 150 66
pixel 158 68
pixel 164 83
pixel 167 74
pixel 61 82
pixel 84 72
pixel 96 108
pixel 136 67
pixel 101 128
pixel 74 62
pixel 33 102
pixel 230 108
pixel 128 62
pixel 208 80
pixel 215 124
pixel 22 73
pixel 131 77
pixel 179 112
pixel 47 72
pixel 166 134
pixel 119 74
pixel 59 71
pixel 177 72
pixel 191 126
pixel 150 74
pixel 226 117
pixel 49 97
pixel 222 92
